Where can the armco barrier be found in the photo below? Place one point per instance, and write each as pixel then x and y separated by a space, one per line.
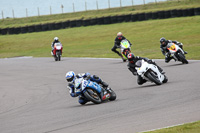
pixel 100 20
pixel 11 31
pixel 121 18
pixel 45 27
pixel 4 31
pixel 24 29
pixel 167 14
pixel 86 22
pixel 148 15
pixel 161 14
pixel 113 19
pixel 17 30
pixel 31 28
pixel 107 20
pixel 79 23
pixel 197 11
pixel 58 26
pixel 134 17
pixel 141 17
pixel 93 21
pixel 155 15
pixel 65 24
pixel 38 28
pixel 103 20
pixel 51 26
pixel 72 23
pixel 173 13
pixel 127 18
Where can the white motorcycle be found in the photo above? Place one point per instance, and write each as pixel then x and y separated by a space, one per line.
pixel 176 52
pixel 125 49
pixel 150 72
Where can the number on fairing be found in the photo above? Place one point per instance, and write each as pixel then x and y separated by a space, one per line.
pixel 172 47
pixel 84 84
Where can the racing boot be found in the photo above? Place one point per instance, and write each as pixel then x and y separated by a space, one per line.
pixel 104 84
pixel 124 60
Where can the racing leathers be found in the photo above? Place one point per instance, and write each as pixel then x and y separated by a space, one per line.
pixel 131 66
pixel 165 51
pixel 87 76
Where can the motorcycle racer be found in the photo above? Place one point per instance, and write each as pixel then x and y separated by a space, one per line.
pixel 71 76
pixel 117 42
pixel 56 40
pixel 131 66
pixel 165 51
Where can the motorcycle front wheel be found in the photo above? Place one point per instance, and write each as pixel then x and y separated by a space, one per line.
pixel 152 77
pixel 182 58
pixel 92 95
pixel 112 95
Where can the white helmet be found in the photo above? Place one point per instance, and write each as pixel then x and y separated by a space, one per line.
pixel 55 38
pixel 119 34
pixel 70 76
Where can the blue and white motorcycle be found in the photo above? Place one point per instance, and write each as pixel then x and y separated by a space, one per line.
pixel 93 92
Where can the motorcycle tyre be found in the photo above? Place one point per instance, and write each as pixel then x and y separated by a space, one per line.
pixel 58 56
pixel 112 95
pixel 182 58
pixel 56 59
pixel 152 78
pixel 165 79
pixel 90 98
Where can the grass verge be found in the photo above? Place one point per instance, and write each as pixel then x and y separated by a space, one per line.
pixel 97 41
pixel 151 7
pixel 193 127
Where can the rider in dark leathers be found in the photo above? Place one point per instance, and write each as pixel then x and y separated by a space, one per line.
pixel 118 40
pixel 131 66
pixel 70 77
pixel 165 51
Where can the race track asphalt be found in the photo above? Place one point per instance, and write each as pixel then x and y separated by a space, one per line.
pixel 34 97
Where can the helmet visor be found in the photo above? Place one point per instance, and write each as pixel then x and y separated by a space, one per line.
pixel 70 79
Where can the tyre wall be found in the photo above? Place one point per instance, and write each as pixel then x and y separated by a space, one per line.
pixel 103 20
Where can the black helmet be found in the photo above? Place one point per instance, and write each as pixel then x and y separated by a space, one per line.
pixel 131 57
pixel 162 40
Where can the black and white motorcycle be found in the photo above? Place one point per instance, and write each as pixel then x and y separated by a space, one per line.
pixel 150 72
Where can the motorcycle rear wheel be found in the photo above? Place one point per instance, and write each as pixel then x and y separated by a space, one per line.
pixel 93 96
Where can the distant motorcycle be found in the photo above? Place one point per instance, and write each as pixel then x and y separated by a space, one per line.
pixel 125 49
pixel 177 53
pixel 93 92
pixel 150 72
pixel 57 51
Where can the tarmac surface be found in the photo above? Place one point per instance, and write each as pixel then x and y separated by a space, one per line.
pixel 34 97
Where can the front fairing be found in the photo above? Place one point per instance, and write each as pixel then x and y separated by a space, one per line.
pixel 141 67
pixel 58 46
pixel 125 44
pixel 94 85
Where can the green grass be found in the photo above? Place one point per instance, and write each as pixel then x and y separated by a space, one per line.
pixel 152 7
pixel 97 41
pixel 186 128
